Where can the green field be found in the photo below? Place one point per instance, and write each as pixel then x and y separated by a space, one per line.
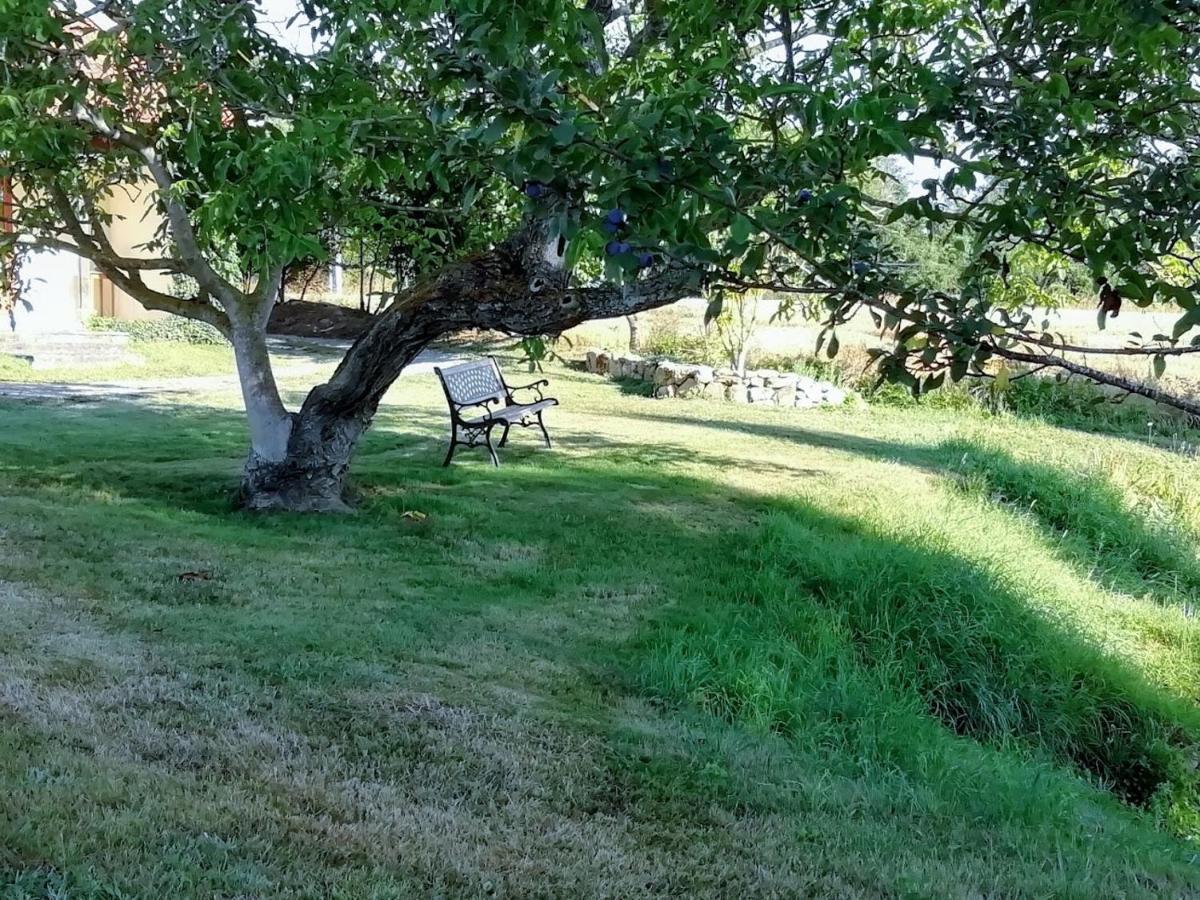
pixel 698 649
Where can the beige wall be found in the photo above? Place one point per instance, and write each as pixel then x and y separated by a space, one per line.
pixel 55 292
pixel 134 223
pixel 63 289
pixel 56 295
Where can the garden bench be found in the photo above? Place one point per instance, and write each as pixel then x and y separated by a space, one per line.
pixel 480 399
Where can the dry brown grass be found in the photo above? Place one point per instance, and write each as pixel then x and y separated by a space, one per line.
pixel 480 801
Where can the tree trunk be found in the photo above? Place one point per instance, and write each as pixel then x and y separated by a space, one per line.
pixel 739 360
pixel 310 472
pixel 311 475
pixel 634 336
pixel 295 462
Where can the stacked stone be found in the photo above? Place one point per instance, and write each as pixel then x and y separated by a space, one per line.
pixel 674 379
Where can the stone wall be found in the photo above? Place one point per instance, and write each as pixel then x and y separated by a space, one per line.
pixel 674 379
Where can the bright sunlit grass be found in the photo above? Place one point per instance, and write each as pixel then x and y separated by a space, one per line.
pixel 148 360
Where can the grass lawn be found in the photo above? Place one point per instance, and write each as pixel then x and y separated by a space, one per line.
pixel 697 650
pixel 157 359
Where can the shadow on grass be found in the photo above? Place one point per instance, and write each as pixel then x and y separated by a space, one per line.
pixel 1094 527
pixel 1091 524
pixel 909 454
pixel 634 387
pixel 798 621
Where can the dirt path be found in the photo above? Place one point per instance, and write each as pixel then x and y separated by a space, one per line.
pixel 294 358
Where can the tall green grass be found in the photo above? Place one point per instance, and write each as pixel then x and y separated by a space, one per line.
pixel 837 635
pixel 1092 516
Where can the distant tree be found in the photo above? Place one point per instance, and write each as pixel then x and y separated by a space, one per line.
pixel 736 324
pixel 934 255
pixel 687 146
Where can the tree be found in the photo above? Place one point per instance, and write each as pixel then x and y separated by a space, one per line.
pixel 736 324
pixel 686 146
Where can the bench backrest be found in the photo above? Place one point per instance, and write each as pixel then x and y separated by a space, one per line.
pixel 473 382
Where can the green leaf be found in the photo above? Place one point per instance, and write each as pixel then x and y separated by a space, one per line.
pixel 899 141
pixel 192 146
pixel 741 229
pixel 909 207
pixel 753 260
pixel 470 195
pixel 494 131
pixel 1186 322
pixel 564 132
pixel 832 350
pixel 1160 365
pixel 714 309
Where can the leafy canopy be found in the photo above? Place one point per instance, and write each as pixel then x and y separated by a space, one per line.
pixel 743 138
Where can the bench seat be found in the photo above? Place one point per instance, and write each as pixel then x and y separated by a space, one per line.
pixel 514 413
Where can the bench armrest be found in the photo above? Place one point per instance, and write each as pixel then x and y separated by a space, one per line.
pixel 484 405
pixel 535 386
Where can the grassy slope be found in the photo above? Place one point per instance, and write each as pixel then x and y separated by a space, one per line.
pixel 698 649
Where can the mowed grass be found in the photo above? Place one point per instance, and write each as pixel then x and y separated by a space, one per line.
pixel 696 650
pixel 147 360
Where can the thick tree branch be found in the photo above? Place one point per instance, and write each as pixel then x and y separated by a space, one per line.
pixel 654 27
pixel 132 284
pixel 1111 351
pixel 265 294
pixel 95 247
pixel 125 262
pixel 178 220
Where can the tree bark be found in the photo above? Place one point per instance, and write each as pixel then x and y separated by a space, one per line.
pixel 310 475
pixel 634 333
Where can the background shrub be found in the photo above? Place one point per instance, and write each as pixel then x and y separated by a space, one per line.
pixel 1079 403
pixel 683 347
pixel 173 329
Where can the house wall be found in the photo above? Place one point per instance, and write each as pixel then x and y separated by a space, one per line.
pixel 61 290
pixel 54 294
pixel 56 297
pixel 135 222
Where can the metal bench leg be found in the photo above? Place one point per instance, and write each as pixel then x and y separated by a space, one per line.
pixel 542 425
pixel 487 437
pixel 450 451
pixel 504 437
